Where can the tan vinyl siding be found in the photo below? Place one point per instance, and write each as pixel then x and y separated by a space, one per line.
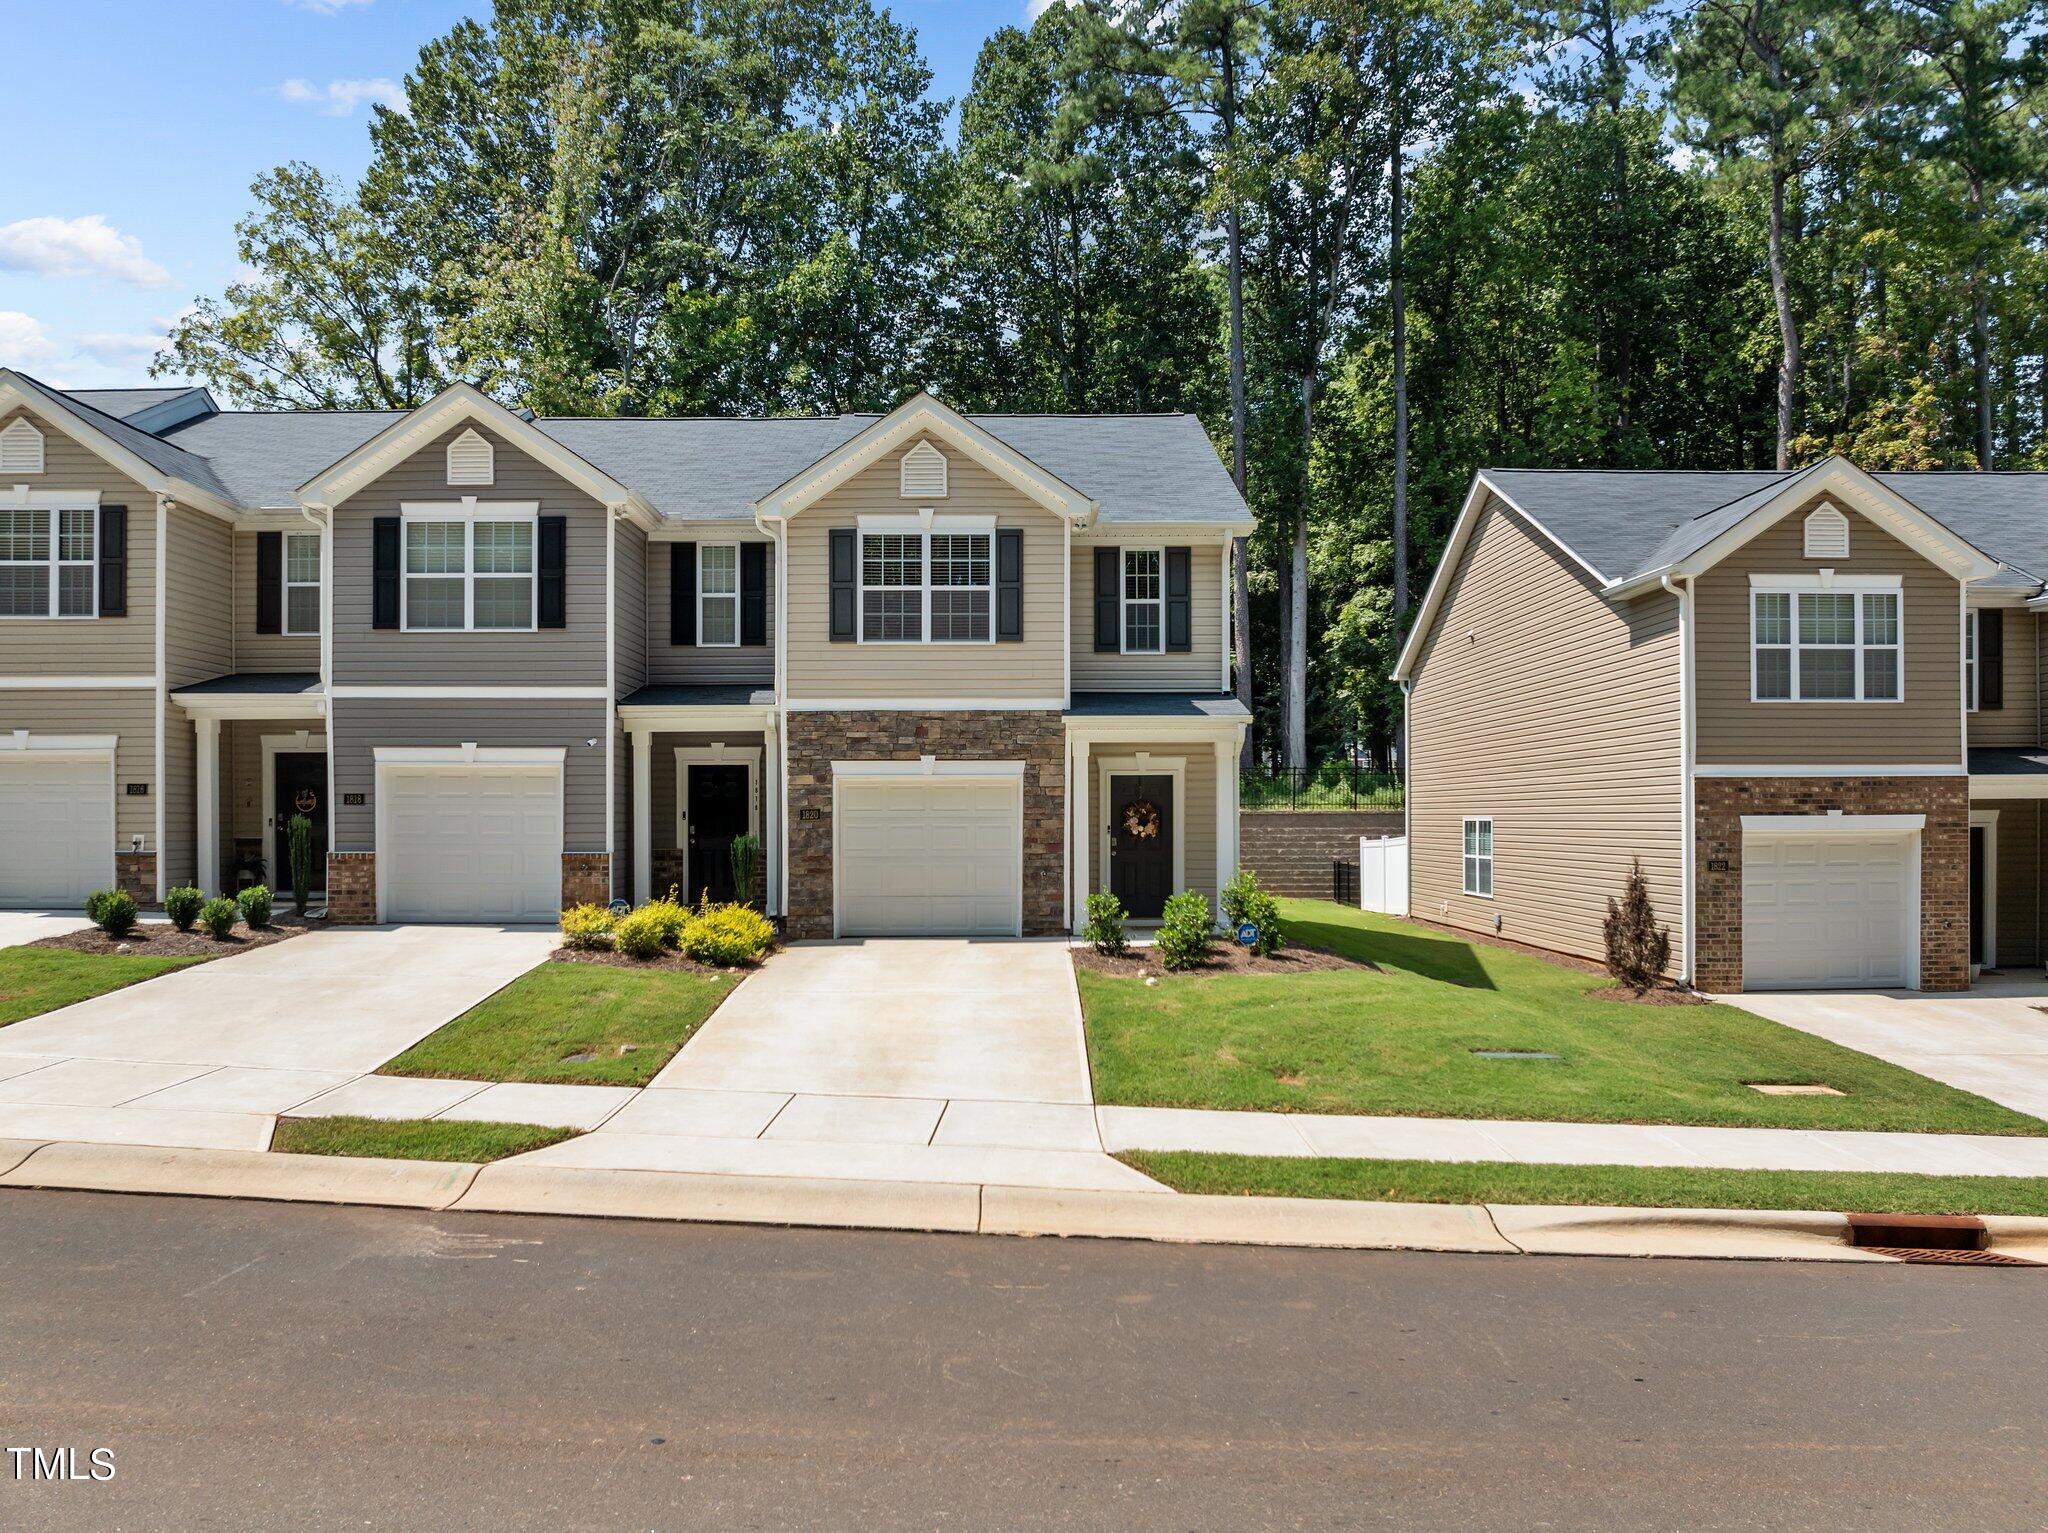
pixel 629 618
pixel 2018 721
pixel 1541 705
pixel 1924 728
pixel 1198 818
pixel 199 638
pixel 270 652
pixel 1033 669
pixel 1199 670
pixel 677 665
pixel 129 716
pixel 106 646
pixel 571 656
pixel 362 724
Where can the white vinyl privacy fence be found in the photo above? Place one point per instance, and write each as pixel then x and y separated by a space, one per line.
pixel 1383 874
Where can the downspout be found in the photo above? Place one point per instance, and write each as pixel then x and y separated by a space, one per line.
pixel 1688 825
pixel 775 529
pixel 1407 793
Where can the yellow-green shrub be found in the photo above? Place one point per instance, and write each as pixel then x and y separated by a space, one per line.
pixel 724 935
pixel 668 917
pixel 587 926
pixel 639 935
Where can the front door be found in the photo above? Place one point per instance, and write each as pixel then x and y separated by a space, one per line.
pixel 718 813
pixel 1141 832
pixel 1977 894
pixel 300 788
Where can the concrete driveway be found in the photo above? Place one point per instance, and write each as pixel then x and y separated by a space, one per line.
pixel 1992 1040
pixel 19 926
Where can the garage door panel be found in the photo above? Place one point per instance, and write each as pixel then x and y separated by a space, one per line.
pixel 928 857
pixel 472 845
pixel 1826 912
pixel 56 829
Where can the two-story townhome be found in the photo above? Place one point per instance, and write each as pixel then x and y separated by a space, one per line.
pixel 954 673
pixel 1810 703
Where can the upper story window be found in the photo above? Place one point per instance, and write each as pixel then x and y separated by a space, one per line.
pixel 1839 642
pixel 469 571
pixel 302 582
pixel 1479 858
pixel 927 587
pixel 1144 601
pixel 718 594
pixel 471 459
pixel 48 562
pixel 1972 621
pixel 21 449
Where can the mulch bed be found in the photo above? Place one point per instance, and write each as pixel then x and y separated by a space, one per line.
pixel 159 939
pixel 1224 958
pixel 1663 995
pixel 612 960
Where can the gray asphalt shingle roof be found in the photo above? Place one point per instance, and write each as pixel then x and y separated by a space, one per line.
pixel 163 456
pixel 1162 705
pixel 255 684
pixel 123 403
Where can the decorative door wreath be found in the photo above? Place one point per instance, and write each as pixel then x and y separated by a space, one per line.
pixel 1141 819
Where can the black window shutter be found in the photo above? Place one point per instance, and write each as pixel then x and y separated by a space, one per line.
pixel 845 581
pixel 1179 632
pixel 1108 571
pixel 753 593
pixel 384 562
pixel 270 582
pixel 553 565
pixel 682 593
pixel 1010 583
pixel 113 561
pixel 1991 658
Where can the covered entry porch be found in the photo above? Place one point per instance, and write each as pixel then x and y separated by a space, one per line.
pixel 2008 831
pixel 703 767
pixel 259 757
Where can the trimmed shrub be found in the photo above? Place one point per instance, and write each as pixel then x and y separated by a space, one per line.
pixel 1637 948
pixel 587 926
pixel 112 911
pixel 1104 927
pixel 256 906
pixel 182 906
pixel 639 935
pixel 746 866
pixel 1185 929
pixel 1244 899
pixel 218 915
pixel 723 935
pixel 668 918
pixel 298 835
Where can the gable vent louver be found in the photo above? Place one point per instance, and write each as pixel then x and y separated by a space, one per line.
pixel 1827 534
pixel 21 449
pixel 470 460
pixel 924 473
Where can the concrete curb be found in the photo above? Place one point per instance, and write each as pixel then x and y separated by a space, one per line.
pixel 14 1151
pixel 1239 1221
pixel 509 1188
pixel 243 1174
pixel 1726 1233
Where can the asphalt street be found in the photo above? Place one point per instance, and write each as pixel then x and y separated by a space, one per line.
pixel 266 1365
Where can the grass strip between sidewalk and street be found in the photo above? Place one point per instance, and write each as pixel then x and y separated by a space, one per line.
pixel 34 980
pixel 571 1024
pixel 1437 1181
pixel 413 1138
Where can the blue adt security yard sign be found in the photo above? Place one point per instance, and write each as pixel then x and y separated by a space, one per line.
pixel 1248 933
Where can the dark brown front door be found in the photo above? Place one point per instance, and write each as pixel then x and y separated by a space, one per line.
pixel 718 812
pixel 300 788
pixel 1141 832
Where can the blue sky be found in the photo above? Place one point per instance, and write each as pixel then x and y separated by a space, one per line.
pixel 124 211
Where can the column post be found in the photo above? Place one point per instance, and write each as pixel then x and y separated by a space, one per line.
pixel 643 813
pixel 1226 816
pixel 1084 831
pixel 209 805
pixel 771 803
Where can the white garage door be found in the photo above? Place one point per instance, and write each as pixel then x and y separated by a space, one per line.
pixel 471 844
pixel 1825 912
pixel 56 828
pixel 928 857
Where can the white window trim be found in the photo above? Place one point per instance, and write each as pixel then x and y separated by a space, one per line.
pixel 1124 602
pixel 1793 586
pixel 716 754
pixel 1973 620
pixel 1143 764
pixel 469 510
pixel 924 526
pixel 1464 882
pixel 54 505
pixel 290 585
pixel 733 596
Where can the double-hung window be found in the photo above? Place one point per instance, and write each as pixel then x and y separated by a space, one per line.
pixel 1970 623
pixel 1144 604
pixel 49 562
pixel 934 587
pixel 1479 857
pixel 718 594
pixel 1838 643
pixel 302 582
pixel 469 569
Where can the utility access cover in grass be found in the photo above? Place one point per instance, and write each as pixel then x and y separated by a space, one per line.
pixel 1513 1054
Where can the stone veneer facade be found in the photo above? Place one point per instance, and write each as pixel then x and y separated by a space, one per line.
pixel 816 740
pixel 1944 862
pixel 352 888
pixel 135 876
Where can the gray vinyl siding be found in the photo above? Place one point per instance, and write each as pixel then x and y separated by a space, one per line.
pixel 367 656
pixel 2018 721
pixel 199 641
pixel 1198 670
pixel 106 646
pixel 1924 728
pixel 629 620
pixel 265 651
pixel 695 664
pixel 128 716
pixel 1556 714
pixel 1198 819
pixel 2019 835
pixel 362 724
pixel 240 815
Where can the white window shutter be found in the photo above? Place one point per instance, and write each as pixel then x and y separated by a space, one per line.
pixel 470 460
pixel 1827 534
pixel 21 449
pixel 924 473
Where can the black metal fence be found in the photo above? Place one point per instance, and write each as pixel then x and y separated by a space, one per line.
pixel 1333 785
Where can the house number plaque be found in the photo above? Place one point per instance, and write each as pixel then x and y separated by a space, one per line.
pixel 810 814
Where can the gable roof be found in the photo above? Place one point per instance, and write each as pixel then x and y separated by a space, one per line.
pixel 150 460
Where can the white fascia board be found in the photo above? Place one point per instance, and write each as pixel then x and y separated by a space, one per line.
pixel 1842 769
pixel 737 529
pixel 2010 785
pixel 66 745
pixel 1825 580
pixel 476 694
pixel 469 755
pixel 685 718
pixel 227 705
pixel 1103 534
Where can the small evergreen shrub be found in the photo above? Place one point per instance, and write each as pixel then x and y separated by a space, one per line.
pixel 298 835
pixel 218 915
pixel 256 906
pixel 112 911
pixel 1185 929
pixel 639 935
pixel 1638 949
pixel 746 866
pixel 1104 927
pixel 724 935
pixel 1245 899
pixel 182 906
pixel 587 926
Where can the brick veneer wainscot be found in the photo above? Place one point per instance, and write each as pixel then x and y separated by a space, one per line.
pixel 586 878
pixel 816 740
pixel 351 888
pixel 1944 862
pixel 135 876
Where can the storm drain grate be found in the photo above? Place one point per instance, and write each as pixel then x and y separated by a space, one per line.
pixel 1949 1258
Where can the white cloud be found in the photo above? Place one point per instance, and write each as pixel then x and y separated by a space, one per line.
pixel 122 352
pixel 1033 9
pixel 326 7
pixel 24 342
pixel 77 247
pixel 340 98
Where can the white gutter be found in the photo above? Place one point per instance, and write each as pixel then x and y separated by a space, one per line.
pixel 1687 730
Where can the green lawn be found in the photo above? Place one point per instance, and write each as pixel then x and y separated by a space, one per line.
pixel 412 1138
pixel 1436 1181
pixel 34 980
pixel 1399 1041
pixel 529 1030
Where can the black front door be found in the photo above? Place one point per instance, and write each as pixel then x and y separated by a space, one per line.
pixel 1141 832
pixel 300 788
pixel 718 812
pixel 1976 894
